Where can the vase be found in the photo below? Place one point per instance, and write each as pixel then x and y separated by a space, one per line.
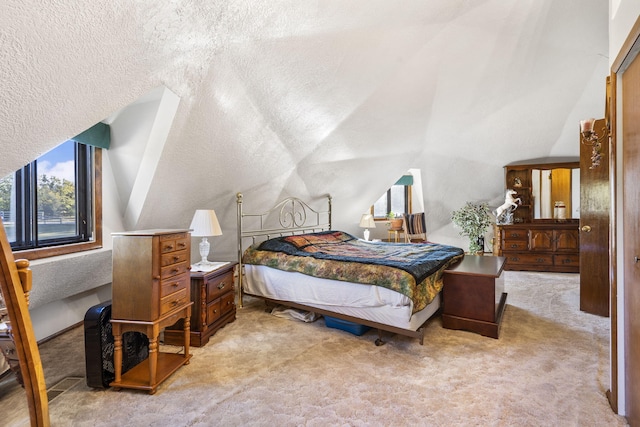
pixel 476 245
pixel 395 224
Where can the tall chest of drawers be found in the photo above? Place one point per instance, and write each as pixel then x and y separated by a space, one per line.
pixel 150 291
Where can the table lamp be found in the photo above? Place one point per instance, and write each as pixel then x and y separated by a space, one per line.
pixel 204 224
pixel 367 222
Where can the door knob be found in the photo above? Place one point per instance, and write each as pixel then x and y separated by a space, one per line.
pixel 586 228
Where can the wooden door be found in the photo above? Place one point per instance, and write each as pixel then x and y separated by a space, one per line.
pixel 595 203
pixel 631 230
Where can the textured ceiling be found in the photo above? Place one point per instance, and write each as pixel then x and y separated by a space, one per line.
pixel 309 97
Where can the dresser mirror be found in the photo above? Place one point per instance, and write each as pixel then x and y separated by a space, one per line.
pixel 548 188
pixel 555 190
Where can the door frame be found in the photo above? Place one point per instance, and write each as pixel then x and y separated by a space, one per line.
pixel 626 55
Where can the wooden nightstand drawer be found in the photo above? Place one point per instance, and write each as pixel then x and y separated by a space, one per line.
pixel 219 285
pixel 168 287
pixel 227 302
pixel 213 311
pixel 174 300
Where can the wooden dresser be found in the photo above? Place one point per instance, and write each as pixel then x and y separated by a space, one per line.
pixel 214 305
pixel 544 233
pixel 150 291
pixel 553 246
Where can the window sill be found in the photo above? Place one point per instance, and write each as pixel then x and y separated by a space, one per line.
pixel 33 254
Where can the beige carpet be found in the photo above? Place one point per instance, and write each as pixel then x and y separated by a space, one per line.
pixel 550 367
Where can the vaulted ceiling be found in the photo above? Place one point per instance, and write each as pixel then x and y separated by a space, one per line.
pixel 295 97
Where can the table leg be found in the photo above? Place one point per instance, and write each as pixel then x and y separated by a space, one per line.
pixel 153 358
pixel 187 336
pixel 117 351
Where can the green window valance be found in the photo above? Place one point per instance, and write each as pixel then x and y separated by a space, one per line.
pixel 405 180
pixel 98 135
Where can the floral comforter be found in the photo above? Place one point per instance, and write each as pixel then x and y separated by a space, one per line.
pixel 415 270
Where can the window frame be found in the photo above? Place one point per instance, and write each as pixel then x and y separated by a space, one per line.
pixel 69 248
pixel 408 208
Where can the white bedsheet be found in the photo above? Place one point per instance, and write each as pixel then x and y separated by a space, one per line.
pixel 369 302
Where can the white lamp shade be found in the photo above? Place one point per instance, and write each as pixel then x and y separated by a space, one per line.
pixel 205 223
pixel 367 221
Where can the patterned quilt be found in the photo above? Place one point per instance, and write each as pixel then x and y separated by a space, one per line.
pixel 415 270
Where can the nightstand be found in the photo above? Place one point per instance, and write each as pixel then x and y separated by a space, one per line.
pixel 473 295
pixel 214 305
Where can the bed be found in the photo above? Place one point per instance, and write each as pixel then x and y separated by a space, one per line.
pixel 290 255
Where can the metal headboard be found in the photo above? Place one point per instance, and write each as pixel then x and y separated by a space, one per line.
pixel 289 216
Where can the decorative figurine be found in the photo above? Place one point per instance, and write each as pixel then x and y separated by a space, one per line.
pixel 504 212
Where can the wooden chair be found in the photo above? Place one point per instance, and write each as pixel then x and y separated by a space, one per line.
pixel 15 284
pixel 415 228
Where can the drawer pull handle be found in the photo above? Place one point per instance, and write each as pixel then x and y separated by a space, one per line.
pixel 540 260
pixel 514 245
pixel 174 303
pixel 182 245
pixel 174 270
pixel 215 311
pixel 176 258
pixel 221 285
pixel 175 284
pixel 169 247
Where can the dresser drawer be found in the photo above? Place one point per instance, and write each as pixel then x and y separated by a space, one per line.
pixel 515 234
pixel 213 311
pixel 174 242
pixel 219 285
pixel 174 270
pixel 173 258
pixel 173 300
pixel 529 259
pixel 566 260
pixel 515 245
pixel 170 286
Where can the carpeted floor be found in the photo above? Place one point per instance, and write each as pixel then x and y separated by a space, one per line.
pixel 550 367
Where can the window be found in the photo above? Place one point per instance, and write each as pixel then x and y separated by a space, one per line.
pixel 397 199
pixel 49 206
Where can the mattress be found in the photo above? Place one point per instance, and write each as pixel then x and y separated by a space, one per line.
pixel 370 302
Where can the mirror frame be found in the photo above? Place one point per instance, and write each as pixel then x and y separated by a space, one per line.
pixel 12 274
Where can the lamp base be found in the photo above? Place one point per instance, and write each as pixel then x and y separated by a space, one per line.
pixel 366 234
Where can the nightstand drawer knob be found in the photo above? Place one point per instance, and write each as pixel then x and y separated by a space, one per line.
pixel 221 285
